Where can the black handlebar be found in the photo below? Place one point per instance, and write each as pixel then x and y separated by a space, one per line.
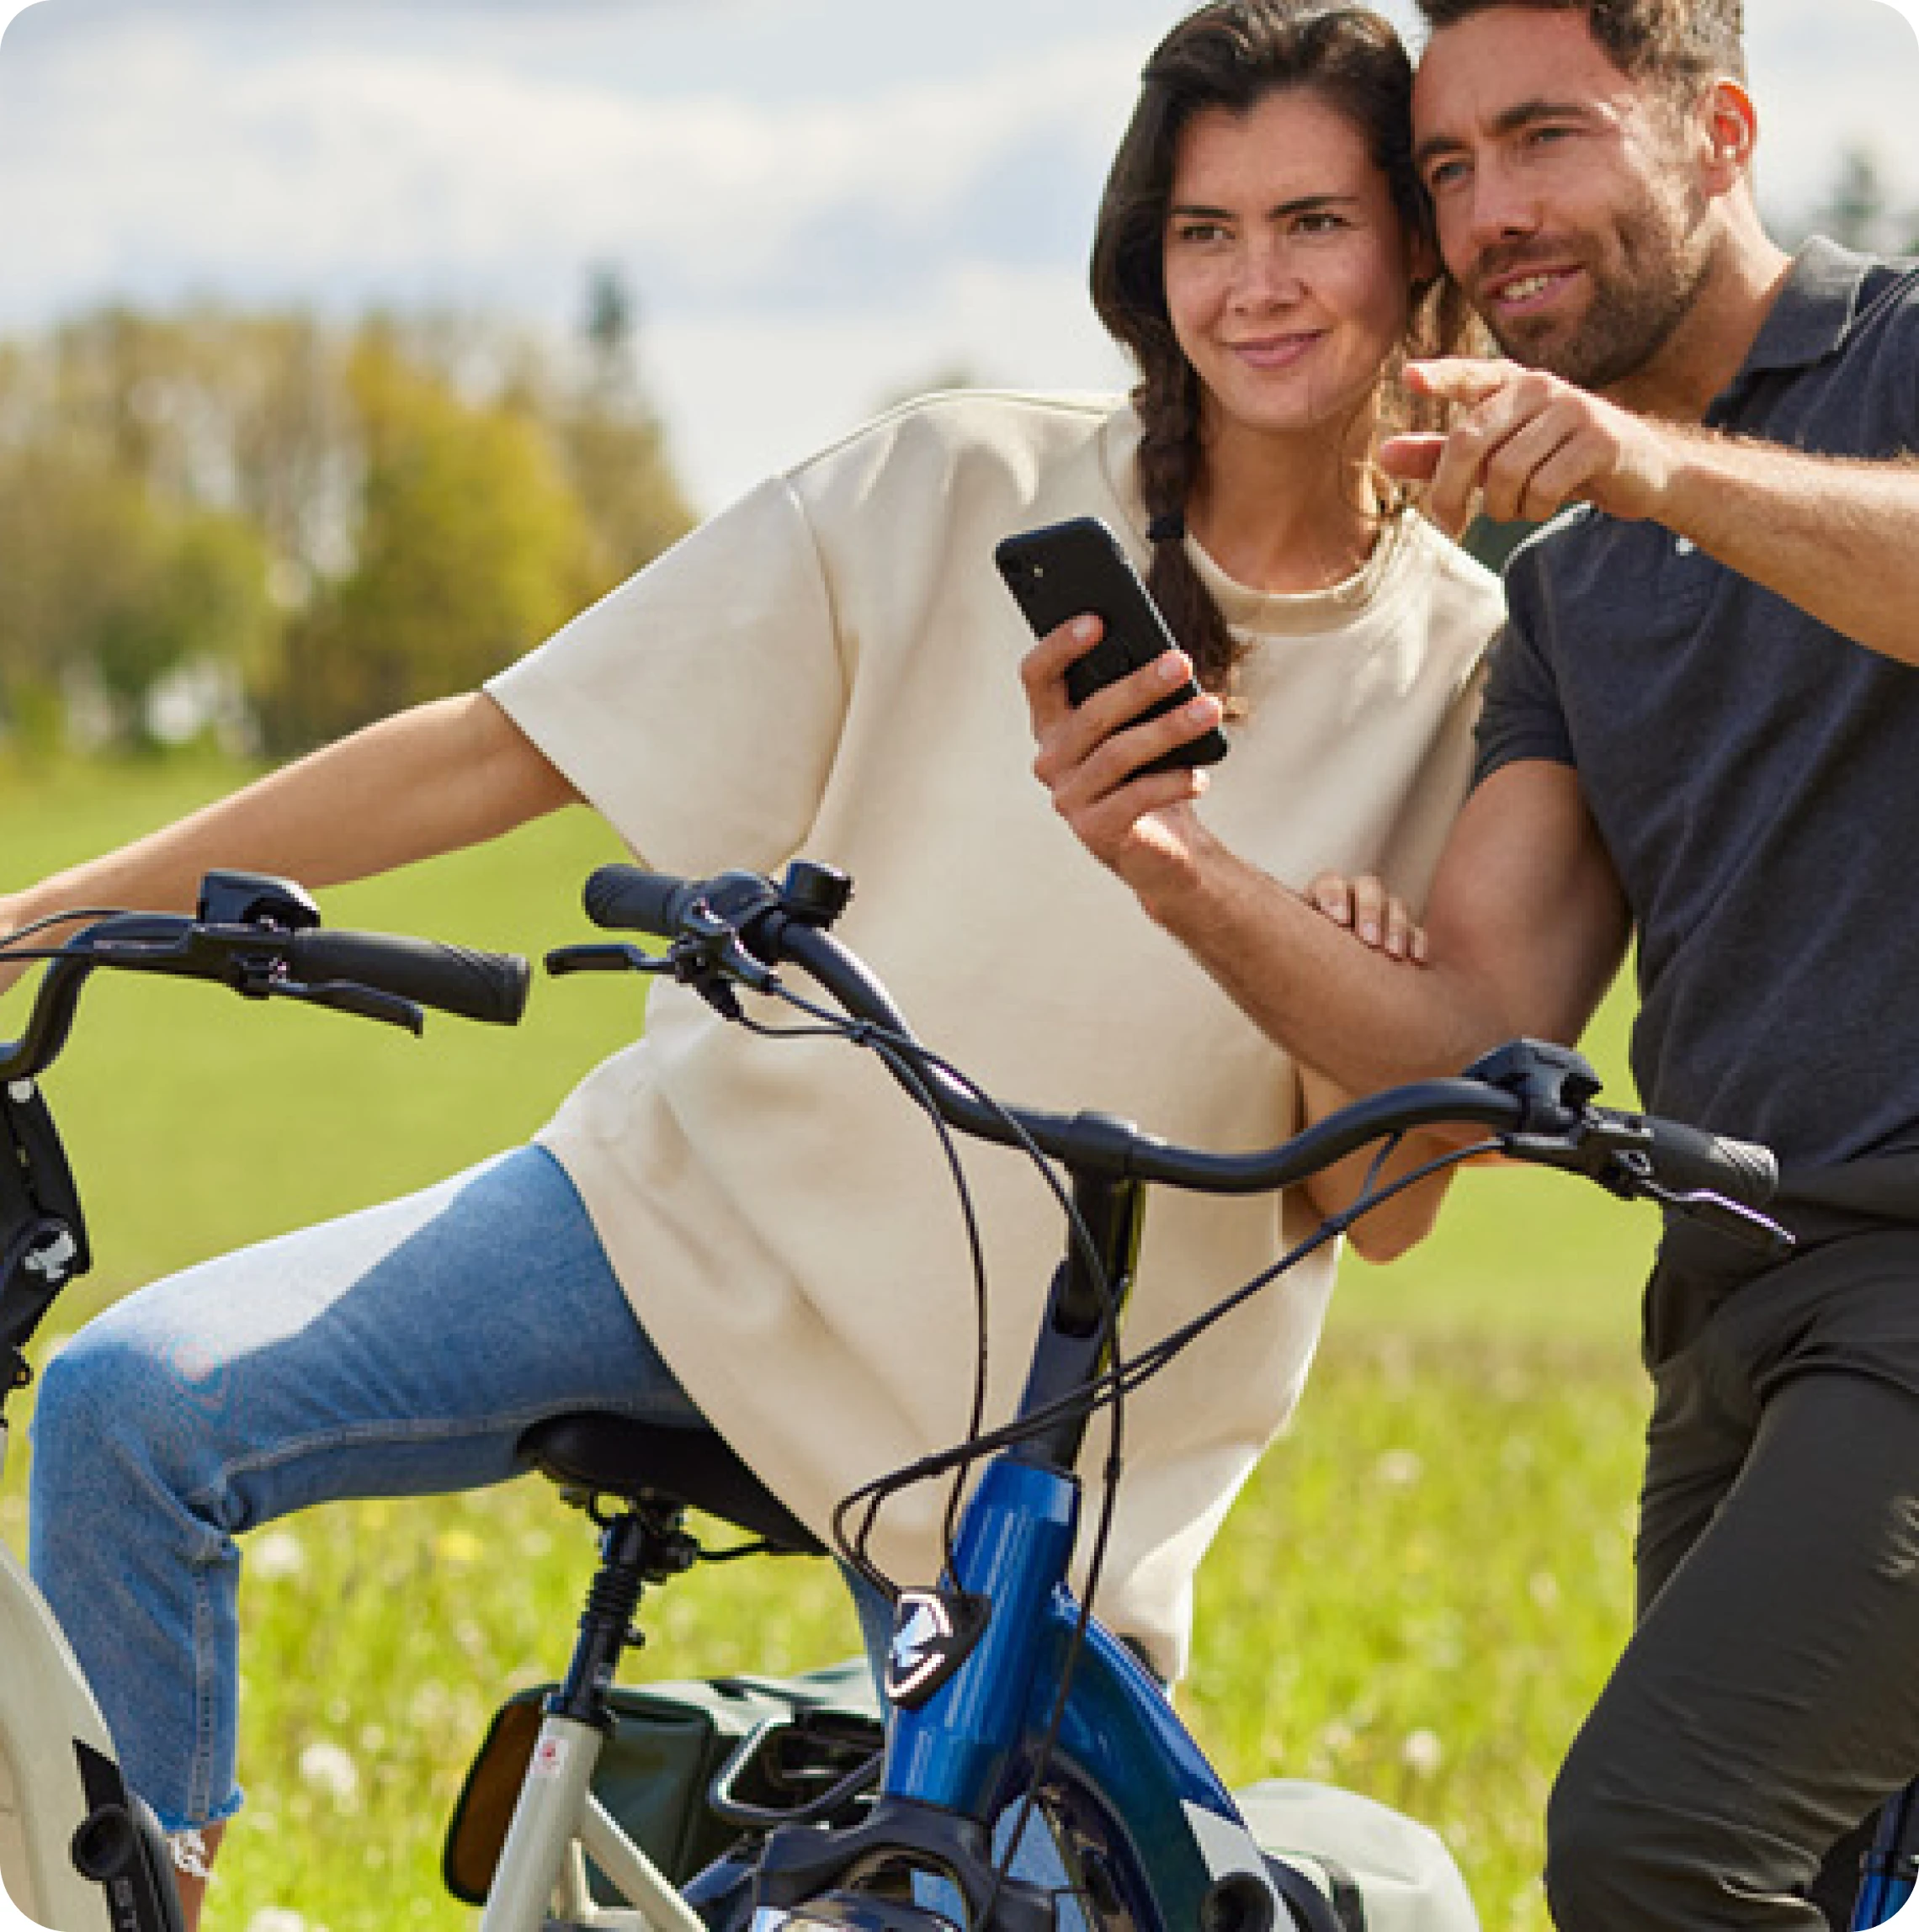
pixel 273 950
pixel 1535 1098
pixel 622 898
pixel 1691 1160
pixel 491 987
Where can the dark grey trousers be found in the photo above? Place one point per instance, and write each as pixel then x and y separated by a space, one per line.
pixel 1768 1700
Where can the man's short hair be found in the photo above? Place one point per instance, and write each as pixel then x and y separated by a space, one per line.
pixel 1677 45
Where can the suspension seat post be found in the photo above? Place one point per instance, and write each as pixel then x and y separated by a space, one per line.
pixel 643 1544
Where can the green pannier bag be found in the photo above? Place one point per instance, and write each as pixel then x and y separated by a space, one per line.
pixel 670 1742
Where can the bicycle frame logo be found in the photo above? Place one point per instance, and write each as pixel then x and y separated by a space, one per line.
pixel 933 1633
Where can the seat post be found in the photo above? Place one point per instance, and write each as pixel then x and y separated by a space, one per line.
pixel 646 1543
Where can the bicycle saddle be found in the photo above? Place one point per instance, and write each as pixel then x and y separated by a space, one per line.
pixel 618 1455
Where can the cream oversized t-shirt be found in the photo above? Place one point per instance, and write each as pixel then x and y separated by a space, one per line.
pixel 830 670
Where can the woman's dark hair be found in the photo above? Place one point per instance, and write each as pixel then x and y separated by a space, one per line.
pixel 1233 55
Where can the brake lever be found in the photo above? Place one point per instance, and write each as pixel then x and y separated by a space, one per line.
pixel 706 962
pixel 363 1002
pixel 609 957
pixel 1630 1174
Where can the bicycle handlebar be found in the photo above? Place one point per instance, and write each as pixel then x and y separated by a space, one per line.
pixel 489 987
pixel 624 898
pixel 272 948
pixel 737 928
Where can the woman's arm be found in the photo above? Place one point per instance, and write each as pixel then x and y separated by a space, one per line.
pixel 429 780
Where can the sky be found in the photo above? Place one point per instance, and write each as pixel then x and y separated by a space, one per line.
pixel 818 205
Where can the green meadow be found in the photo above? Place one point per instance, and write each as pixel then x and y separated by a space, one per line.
pixel 1415 1597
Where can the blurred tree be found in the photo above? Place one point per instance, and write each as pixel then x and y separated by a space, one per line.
pixel 337 521
pixel 611 319
pixel 109 590
pixel 470 547
pixel 610 441
pixel 1857 210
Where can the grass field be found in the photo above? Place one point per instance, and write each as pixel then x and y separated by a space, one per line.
pixel 1416 1596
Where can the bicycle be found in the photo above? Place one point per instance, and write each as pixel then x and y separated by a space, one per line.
pixel 1004 1693
pixel 1006 1696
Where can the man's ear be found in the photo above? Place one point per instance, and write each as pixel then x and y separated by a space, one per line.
pixel 1729 126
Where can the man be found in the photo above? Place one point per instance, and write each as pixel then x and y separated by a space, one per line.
pixel 1702 727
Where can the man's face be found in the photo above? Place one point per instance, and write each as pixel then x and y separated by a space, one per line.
pixel 1568 200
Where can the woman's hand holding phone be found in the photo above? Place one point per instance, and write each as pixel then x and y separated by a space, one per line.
pixel 1078 568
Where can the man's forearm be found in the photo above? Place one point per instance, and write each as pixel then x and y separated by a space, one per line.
pixel 1839 539
pixel 1361 1019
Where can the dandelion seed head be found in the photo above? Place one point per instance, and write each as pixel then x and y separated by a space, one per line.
pixel 276 1556
pixel 331 1769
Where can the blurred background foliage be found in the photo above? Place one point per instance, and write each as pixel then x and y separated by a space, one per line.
pixel 268 530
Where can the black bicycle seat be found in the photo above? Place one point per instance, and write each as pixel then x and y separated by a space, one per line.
pixel 618 1455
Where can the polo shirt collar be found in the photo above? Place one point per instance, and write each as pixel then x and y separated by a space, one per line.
pixel 1816 311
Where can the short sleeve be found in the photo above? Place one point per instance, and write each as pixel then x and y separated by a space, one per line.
pixel 699 706
pixel 1521 717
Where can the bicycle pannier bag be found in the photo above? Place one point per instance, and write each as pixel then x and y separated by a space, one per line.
pixel 670 1741
pixel 1378 1870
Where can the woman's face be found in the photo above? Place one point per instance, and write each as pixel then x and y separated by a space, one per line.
pixel 1288 271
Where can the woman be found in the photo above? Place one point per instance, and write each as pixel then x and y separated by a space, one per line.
pixel 721 1232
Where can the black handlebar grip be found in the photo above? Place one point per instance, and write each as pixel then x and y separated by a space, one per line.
pixel 623 897
pixel 491 986
pixel 1690 1161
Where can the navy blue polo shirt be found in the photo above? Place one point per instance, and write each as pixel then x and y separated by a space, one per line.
pixel 1754 774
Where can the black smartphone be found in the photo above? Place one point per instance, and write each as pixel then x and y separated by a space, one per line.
pixel 1067 570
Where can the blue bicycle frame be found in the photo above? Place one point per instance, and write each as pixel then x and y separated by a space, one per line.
pixel 1149 1833
pixel 1136 1796
pixel 1147 1825
pixel 1892 1866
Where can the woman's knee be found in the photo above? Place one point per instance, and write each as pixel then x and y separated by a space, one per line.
pixel 101 1397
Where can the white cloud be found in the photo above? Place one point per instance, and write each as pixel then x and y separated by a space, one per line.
pixel 156 159
pixel 818 202
pixel 744 398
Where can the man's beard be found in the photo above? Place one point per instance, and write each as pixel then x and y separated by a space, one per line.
pixel 1638 300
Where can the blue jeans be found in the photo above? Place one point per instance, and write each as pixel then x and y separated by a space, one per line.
pixel 398 1352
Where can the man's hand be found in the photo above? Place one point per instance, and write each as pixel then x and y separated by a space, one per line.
pixel 1528 444
pixel 1090 758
